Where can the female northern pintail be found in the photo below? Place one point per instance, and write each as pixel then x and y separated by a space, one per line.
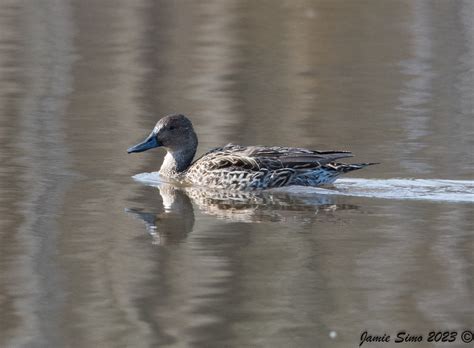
pixel 240 167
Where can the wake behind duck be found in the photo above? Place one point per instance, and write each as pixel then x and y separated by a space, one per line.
pixel 236 167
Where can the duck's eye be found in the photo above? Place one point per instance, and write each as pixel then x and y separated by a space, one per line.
pixel 172 128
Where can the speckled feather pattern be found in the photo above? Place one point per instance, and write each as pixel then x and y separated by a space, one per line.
pixel 250 168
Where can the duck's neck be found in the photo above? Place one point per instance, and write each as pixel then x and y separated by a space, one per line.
pixel 176 162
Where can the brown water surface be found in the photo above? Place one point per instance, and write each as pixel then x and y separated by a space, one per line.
pixel 90 257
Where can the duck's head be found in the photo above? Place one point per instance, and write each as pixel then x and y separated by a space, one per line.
pixel 174 132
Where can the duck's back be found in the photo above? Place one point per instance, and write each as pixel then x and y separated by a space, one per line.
pixel 258 167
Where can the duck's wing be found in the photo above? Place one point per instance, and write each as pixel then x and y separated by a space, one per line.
pixel 276 157
pixel 295 157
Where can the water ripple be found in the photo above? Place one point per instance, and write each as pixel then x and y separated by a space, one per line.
pixel 421 189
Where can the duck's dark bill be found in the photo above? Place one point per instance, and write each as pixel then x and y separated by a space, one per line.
pixel 149 143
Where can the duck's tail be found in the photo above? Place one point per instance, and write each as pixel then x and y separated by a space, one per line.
pixel 345 168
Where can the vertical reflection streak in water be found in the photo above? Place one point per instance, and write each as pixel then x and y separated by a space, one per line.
pixel 466 77
pixel 448 250
pixel 452 252
pixel 262 83
pixel 465 85
pixel 216 53
pixel 302 88
pixel 11 246
pixel 414 98
pixel 47 63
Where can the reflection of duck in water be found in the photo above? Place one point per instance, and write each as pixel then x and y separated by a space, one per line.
pixel 175 222
pixel 240 167
pixel 255 206
pixel 260 206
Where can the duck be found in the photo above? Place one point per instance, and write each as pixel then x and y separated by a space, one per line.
pixel 238 167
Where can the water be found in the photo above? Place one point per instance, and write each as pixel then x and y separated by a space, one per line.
pixel 91 257
pixel 423 189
